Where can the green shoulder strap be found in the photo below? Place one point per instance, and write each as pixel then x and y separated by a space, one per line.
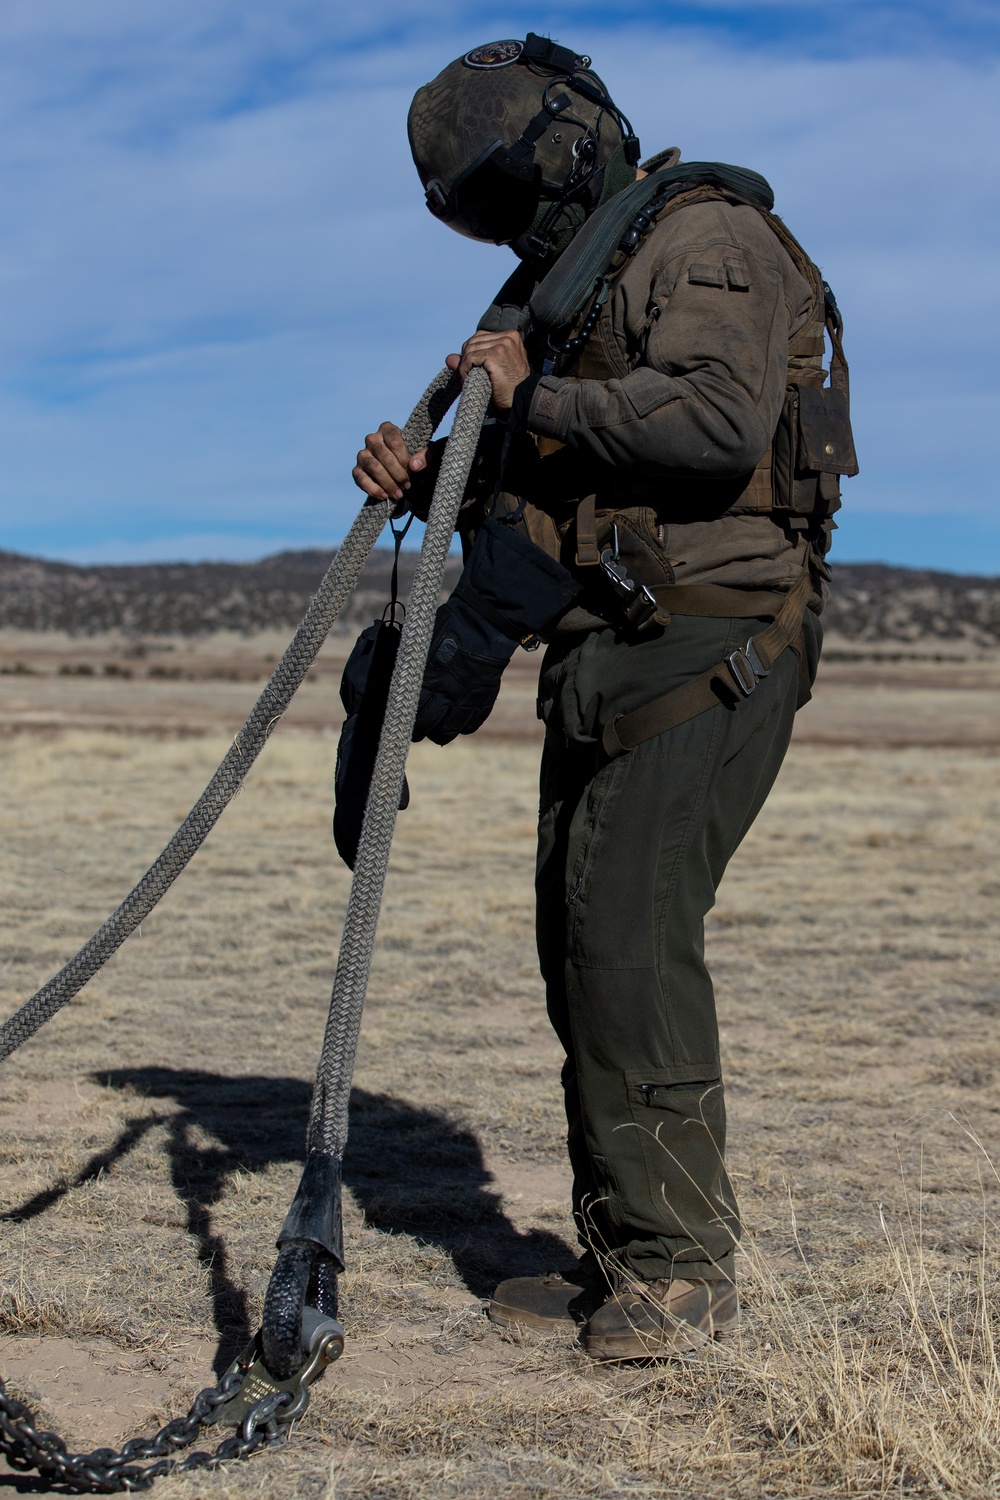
pixel 558 299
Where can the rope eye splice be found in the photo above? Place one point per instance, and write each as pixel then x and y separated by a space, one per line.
pixel 266 1390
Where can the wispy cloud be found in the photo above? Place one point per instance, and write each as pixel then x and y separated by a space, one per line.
pixel 216 272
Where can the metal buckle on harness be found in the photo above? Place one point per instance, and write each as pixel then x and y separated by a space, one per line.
pixel 639 603
pixel 747 667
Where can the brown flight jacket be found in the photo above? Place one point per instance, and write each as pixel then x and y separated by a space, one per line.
pixel 691 358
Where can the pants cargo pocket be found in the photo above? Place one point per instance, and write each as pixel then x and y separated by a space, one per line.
pixel 679 1118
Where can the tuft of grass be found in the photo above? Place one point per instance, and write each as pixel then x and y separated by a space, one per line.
pixel 877 1384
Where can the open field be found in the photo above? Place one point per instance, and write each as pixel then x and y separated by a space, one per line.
pixel 153 1133
pixel 889 694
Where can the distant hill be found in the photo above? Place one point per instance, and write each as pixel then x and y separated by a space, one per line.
pixel 869 602
pixel 874 602
pixel 188 598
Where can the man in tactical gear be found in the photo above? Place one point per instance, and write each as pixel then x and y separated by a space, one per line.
pixel 661 426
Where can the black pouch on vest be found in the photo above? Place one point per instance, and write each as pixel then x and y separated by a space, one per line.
pixel 509 591
pixel 812 447
pixel 364 692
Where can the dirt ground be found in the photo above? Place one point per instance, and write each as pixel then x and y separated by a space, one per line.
pixel 153 1132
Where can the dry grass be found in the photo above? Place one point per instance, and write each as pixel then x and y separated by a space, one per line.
pixel 154 1130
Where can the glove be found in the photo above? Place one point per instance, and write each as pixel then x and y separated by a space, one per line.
pixel 509 592
pixel 364 692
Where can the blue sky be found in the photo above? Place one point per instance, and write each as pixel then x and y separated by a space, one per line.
pixel 217 273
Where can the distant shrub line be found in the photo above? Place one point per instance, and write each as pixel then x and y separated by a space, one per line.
pixel 869 602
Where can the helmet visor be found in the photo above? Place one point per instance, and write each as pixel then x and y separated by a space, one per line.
pixel 495 198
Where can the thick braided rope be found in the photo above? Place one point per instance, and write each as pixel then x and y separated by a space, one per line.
pixel 328 1116
pixel 329 599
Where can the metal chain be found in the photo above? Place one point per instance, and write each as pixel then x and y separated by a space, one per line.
pixel 108 1471
pixel 261 1423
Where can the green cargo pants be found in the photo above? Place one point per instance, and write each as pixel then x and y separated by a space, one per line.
pixel 630 856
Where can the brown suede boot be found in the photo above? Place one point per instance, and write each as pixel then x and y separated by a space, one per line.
pixel 545 1302
pixel 658 1318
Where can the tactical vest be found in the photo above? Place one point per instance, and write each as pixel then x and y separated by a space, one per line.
pixel 796 483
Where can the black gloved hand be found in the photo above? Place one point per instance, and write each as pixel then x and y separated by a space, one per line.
pixel 509 591
pixel 364 692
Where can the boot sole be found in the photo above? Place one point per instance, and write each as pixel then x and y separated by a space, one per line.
pixel 684 1339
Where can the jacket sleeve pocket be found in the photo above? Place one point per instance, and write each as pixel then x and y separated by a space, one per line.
pixel 646 389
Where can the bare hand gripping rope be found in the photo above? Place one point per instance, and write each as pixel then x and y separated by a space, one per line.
pixel 267 1388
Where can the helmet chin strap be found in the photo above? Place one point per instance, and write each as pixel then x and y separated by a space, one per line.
pixel 552 231
pixel 553 227
pixel 538 239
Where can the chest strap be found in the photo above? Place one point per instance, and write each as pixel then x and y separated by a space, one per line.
pixel 736 677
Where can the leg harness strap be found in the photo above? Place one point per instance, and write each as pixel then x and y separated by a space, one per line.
pixel 736 677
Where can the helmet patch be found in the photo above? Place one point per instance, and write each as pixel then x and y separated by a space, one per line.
pixel 494 55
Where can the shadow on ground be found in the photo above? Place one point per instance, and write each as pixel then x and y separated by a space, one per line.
pixel 411 1171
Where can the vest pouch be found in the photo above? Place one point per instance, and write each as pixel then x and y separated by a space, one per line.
pixel 364 692
pixel 813 445
pixel 509 592
pixel 826 443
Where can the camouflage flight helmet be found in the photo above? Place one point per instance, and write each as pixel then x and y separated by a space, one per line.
pixel 517 142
